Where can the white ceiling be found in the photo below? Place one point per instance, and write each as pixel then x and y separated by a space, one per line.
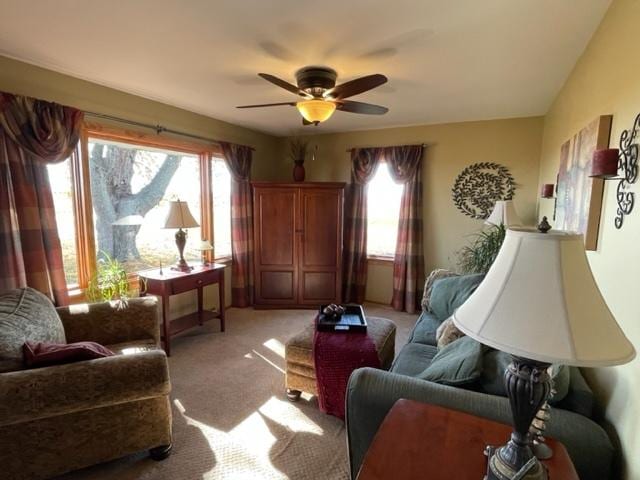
pixel 447 60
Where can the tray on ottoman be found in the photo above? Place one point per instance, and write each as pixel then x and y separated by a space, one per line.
pixel 352 320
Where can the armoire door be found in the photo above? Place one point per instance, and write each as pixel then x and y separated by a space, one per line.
pixel 320 246
pixel 276 246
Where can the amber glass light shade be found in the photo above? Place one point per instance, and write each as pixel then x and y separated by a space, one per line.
pixel 316 111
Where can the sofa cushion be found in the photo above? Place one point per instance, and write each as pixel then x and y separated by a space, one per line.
pixel 25 314
pixel 451 292
pixel 496 362
pixel 413 358
pixel 425 329
pixel 459 363
pixel 428 285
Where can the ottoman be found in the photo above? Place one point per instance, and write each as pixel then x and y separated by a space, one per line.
pixel 300 371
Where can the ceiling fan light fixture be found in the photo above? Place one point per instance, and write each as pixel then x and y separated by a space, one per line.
pixel 316 111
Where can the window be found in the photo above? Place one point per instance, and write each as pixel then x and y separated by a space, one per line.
pixel 383 212
pixel 112 198
pixel 62 189
pixel 221 189
pixel 130 189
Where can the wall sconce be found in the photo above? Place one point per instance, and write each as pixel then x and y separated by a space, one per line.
pixel 622 165
pixel 605 164
pixel 547 190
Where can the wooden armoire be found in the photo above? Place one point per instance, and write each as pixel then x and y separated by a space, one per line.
pixel 298 243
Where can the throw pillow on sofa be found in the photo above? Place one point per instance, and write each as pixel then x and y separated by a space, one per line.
pixel 44 354
pixel 26 314
pixel 447 332
pixel 437 274
pixel 457 364
pixel 449 293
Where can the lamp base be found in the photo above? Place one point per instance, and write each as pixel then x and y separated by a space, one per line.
pixel 498 469
pixel 181 241
pixel 528 385
pixel 181 266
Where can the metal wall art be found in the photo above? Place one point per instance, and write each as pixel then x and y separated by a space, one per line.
pixel 479 186
pixel 628 168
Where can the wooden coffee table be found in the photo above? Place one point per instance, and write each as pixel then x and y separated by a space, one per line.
pixel 419 441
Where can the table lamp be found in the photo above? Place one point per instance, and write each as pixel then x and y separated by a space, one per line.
pixel 203 247
pixel 540 303
pixel 179 216
pixel 504 213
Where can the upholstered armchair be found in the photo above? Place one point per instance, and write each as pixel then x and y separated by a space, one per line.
pixel 60 418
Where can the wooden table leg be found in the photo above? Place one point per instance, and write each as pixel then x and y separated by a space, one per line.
pixel 221 299
pixel 165 325
pixel 200 311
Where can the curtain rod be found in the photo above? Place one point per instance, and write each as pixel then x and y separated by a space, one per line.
pixel 158 128
pixel 355 148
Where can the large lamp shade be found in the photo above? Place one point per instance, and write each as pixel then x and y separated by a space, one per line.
pixel 504 213
pixel 540 301
pixel 179 216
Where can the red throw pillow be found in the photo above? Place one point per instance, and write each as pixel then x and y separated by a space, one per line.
pixel 42 354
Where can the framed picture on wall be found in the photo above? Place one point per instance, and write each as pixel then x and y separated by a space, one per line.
pixel 579 197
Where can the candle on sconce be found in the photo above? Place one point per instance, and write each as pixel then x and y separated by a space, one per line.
pixel 605 163
pixel 547 190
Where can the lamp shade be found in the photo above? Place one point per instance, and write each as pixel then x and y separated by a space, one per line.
pixel 179 216
pixel 540 301
pixel 316 111
pixel 204 245
pixel 504 213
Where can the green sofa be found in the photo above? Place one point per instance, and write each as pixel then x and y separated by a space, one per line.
pixel 372 392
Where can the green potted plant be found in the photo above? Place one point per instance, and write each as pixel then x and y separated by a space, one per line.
pixel 110 282
pixel 479 254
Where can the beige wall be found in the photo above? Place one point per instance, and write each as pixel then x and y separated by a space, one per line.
pixel 514 143
pixel 606 80
pixel 24 79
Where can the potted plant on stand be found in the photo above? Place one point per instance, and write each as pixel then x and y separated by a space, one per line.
pixel 298 155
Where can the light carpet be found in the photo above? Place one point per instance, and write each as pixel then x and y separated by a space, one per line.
pixel 231 417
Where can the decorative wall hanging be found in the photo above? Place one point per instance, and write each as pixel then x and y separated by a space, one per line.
pixel 628 168
pixel 579 197
pixel 479 186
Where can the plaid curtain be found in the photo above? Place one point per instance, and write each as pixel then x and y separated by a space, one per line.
pixel 364 162
pixel 405 165
pixel 32 134
pixel 238 159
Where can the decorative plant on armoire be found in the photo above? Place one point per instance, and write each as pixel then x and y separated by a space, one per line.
pixel 298 154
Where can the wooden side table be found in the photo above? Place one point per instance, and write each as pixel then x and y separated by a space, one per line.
pixel 418 441
pixel 171 282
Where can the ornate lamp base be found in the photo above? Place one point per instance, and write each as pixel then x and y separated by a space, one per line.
pixel 181 241
pixel 528 385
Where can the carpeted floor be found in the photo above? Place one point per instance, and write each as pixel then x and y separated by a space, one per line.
pixel 231 417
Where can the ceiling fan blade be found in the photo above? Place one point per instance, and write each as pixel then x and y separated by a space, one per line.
pixel 282 84
pixel 354 87
pixel 360 107
pixel 293 104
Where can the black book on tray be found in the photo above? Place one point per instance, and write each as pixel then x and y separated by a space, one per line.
pixel 352 320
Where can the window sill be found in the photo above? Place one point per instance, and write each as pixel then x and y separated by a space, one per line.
pixel 380 260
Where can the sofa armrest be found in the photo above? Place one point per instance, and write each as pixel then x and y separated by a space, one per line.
pixel 371 393
pixel 109 323
pixel 27 395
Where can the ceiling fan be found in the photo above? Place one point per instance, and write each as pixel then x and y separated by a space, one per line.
pixel 321 96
